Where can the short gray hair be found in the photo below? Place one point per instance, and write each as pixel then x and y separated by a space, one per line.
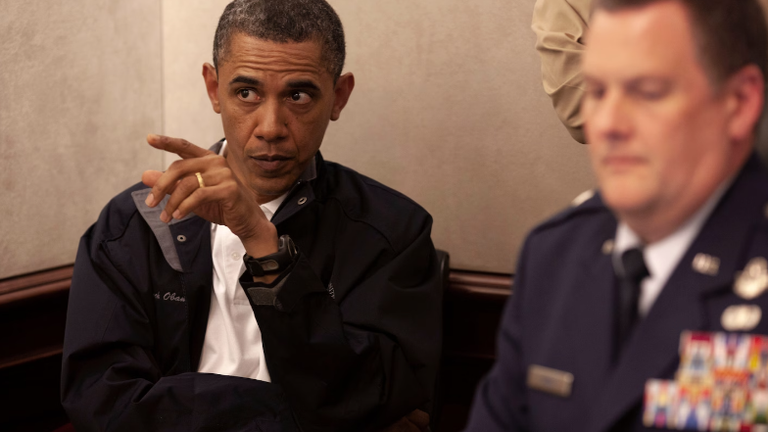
pixel 283 21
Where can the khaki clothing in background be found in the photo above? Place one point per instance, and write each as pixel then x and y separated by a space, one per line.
pixel 560 26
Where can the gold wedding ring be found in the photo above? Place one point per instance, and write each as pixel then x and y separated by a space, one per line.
pixel 200 180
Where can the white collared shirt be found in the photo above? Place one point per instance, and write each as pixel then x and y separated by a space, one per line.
pixel 233 343
pixel 663 256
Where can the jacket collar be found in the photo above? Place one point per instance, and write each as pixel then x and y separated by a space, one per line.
pixel 653 349
pixel 303 192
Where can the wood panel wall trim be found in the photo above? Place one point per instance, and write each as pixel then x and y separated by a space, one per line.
pixel 35 284
pixel 486 285
pixel 491 286
pixel 28 357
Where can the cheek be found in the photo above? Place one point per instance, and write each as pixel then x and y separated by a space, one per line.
pixel 307 130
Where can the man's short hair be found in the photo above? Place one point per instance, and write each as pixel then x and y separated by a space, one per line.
pixel 729 34
pixel 283 21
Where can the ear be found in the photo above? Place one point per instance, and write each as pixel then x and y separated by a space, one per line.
pixel 211 78
pixel 343 89
pixel 745 94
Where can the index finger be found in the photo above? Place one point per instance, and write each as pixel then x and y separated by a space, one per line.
pixel 179 146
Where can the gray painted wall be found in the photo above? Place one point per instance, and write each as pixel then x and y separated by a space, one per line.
pixel 80 87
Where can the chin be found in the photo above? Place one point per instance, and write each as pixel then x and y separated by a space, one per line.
pixel 625 200
pixel 275 187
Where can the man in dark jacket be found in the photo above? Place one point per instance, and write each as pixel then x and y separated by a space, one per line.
pixel 255 286
pixel 628 309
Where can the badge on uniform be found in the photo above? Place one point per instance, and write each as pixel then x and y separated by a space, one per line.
pixel 721 385
pixel 753 281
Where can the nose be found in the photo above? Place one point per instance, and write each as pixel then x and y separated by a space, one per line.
pixel 608 119
pixel 272 125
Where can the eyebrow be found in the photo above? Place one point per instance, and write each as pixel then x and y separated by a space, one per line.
pixel 245 80
pixel 303 84
pixel 636 80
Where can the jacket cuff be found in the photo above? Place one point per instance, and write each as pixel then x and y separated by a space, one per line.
pixel 287 290
pixel 263 294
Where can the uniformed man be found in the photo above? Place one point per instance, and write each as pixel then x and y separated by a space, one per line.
pixel 643 306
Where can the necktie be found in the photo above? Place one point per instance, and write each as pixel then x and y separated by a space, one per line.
pixel 629 293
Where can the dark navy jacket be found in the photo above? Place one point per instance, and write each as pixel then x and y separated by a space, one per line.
pixel 354 344
pixel 561 315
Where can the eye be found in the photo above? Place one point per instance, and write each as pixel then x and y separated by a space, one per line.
pixel 300 97
pixel 248 95
pixel 651 94
pixel 651 90
pixel 595 92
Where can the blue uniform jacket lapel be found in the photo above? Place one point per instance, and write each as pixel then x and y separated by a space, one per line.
pixel 653 350
pixel 570 327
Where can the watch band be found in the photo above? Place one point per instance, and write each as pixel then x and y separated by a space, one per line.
pixel 274 263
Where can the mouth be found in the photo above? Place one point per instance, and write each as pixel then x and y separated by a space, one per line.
pixel 623 161
pixel 271 163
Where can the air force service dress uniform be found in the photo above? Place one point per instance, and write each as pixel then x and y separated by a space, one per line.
pixel 557 368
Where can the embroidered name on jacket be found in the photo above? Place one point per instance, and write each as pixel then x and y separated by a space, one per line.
pixel 169 296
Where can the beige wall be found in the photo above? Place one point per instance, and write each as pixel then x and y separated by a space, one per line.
pixel 448 109
pixel 188 29
pixel 79 89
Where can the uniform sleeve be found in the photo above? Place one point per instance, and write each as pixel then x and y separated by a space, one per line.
pixel 360 362
pixel 560 26
pixel 500 403
pixel 112 382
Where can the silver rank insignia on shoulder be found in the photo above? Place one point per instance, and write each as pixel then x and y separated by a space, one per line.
pixel 608 247
pixel 706 264
pixel 741 317
pixel 582 198
pixel 753 281
pixel 549 380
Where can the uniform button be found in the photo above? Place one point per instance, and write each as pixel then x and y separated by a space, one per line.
pixel 181 238
pixel 235 256
pixel 302 200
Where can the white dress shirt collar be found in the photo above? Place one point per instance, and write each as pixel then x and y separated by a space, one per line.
pixel 663 256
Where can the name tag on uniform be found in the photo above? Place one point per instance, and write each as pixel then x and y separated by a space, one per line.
pixel 548 380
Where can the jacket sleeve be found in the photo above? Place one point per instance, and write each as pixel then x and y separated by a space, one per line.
pixel 500 403
pixel 112 382
pixel 363 361
pixel 560 26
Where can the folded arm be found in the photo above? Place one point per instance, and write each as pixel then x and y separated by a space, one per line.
pixel 367 360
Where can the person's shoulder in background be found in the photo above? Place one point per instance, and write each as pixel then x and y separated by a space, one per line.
pixel 560 26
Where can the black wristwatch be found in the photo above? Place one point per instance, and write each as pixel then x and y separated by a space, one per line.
pixel 274 263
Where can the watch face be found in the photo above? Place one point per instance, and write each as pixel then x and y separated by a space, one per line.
pixel 269 266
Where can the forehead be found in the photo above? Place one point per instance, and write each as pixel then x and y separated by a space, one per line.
pixel 650 39
pixel 247 54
